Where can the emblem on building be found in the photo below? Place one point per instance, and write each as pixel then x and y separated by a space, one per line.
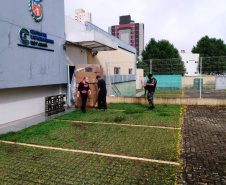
pixel 35 7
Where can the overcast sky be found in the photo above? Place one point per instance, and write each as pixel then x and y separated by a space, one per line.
pixel 181 22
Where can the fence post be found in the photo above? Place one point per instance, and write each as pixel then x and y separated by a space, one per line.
pixel 108 78
pixel 151 66
pixel 200 84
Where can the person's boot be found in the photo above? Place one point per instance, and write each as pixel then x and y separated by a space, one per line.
pixel 151 107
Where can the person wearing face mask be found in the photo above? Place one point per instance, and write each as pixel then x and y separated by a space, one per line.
pixel 83 90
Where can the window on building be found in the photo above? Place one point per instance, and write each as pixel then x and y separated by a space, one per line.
pixel 130 71
pixel 187 61
pixel 186 72
pixel 117 70
pixel 196 72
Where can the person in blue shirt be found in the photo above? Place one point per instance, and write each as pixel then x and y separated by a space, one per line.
pixel 101 93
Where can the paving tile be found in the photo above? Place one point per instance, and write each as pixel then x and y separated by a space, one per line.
pixel 204 145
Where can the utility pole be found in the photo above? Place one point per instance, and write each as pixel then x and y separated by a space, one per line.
pixel 150 66
pixel 200 84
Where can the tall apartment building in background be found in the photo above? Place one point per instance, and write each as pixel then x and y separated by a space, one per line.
pixel 81 16
pixel 130 32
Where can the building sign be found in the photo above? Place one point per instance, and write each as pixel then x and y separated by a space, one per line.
pixel 34 39
pixel 35 7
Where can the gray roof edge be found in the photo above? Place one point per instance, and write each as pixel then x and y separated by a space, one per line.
pixel 121 44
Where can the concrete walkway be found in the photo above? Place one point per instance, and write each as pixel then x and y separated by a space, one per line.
pixel 204 145
pixel 27 122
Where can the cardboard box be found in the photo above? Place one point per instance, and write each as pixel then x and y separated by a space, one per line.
pixel 93 87
pixel 78 79
pixel 102 72
pixel 84 74
pixel 94 68
pixel 89 103
pixel 92 80
pixel 91 76
pixel 92 95
pixel 92 102
pixel 77 66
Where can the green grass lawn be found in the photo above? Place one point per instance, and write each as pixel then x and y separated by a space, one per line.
pixel 27 165
pixel 123 140
pixel 162 115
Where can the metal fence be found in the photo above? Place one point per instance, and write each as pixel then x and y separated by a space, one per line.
pixel 203 78
pixel 120 78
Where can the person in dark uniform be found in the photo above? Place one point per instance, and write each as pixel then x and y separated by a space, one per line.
pixel 83 90
pixel 150 87
pixel 101 93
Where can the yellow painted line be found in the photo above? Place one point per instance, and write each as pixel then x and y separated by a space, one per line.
pixel 93 153
pixel 182 94
pixel 117 110
pixel 131 125
pixel 179 169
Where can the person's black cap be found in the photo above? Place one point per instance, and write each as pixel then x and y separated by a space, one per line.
pixel 98 76
pixel 149 75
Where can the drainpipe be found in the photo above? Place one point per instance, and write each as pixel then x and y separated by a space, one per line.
pixel 68 87
pixel 136 65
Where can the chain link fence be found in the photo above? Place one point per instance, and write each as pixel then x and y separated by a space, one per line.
pixel 204 77
pixel 201 78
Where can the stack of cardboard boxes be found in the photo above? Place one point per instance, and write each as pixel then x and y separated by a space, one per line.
pixel 90 71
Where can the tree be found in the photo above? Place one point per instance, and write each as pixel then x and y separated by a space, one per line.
pixel 210 47
pixel 213 52
pixel 165 58
pixel 144 66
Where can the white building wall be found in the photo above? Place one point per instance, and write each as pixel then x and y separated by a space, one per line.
pixel 125 36
pixel 140 79
pixel 220 82
pixel 141 38
pixel 19 103
pixel 191 62
pixel 81 16
pixel 121 58
pixel 76 55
